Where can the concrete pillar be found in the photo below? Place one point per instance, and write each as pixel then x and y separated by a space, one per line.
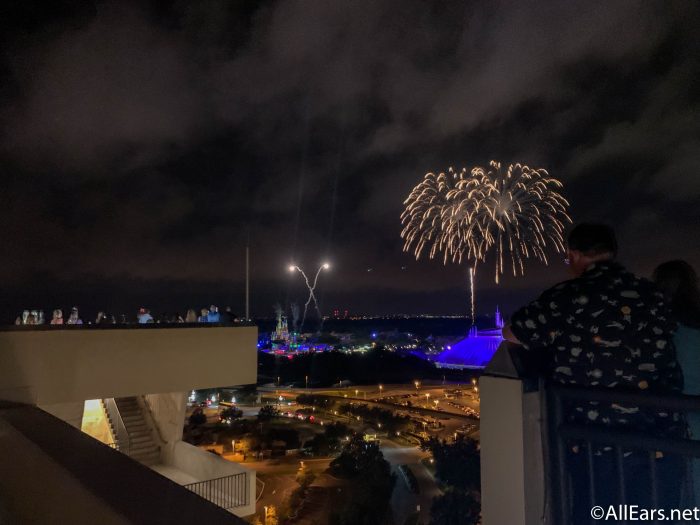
pixel 512 466
pixel 168 411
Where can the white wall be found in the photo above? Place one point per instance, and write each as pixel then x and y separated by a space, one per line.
pixel 512 472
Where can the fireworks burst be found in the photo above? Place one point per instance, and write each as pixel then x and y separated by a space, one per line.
pixel 519 213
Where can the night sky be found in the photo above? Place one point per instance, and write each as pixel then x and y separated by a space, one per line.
pixel 142 143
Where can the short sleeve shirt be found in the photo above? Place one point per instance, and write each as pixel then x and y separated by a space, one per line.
pixel 606 328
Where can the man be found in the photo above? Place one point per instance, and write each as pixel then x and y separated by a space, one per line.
pixel 605 328
pixel 213 315
pixel 226 316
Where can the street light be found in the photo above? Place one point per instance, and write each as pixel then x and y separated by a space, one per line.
pixel 356 392
pixel 417 383
pixel 381 387
pixel 307 381
pixel 427 397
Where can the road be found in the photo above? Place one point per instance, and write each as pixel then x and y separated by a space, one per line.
pixel 279 476
pixel 404 502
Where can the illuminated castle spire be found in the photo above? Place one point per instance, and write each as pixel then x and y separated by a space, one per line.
pixel 499 319
pixel 281 330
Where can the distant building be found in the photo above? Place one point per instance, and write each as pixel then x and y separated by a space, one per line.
pixel 281 332
pixel 476 350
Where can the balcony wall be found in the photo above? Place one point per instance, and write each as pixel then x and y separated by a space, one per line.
pixel 58 475
pixel 512 463
pixel 62 367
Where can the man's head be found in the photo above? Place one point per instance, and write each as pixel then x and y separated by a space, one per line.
pixel 589 243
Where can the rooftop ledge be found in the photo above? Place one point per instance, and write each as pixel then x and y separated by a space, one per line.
pixel 116 326
pixel 45 365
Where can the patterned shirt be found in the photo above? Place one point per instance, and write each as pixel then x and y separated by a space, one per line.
pixel 606 328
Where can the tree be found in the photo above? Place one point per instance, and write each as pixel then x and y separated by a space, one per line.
pixel 290 436
pixel 320 445
pixel 357 456
pixel 198 417
pixel 457 464
pixel 368 498
pixel 230 413
pixel 271 515
pixel 455 507
pixel 268 412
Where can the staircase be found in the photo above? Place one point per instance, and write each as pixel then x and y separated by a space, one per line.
pixel 142 446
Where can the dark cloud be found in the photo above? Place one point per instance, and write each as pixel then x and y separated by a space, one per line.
pixel 148 141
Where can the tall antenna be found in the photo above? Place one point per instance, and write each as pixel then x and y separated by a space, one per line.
pixel 247 279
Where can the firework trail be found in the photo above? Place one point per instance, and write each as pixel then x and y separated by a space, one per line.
pixel 471 291
pixel 312 288
pixel 518 213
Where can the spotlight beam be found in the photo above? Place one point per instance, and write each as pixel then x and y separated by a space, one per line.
pixel 311 288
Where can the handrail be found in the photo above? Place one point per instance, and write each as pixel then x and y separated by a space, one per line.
pixel 612 395
pixel 122 435
pixel 258 481
pixel 227 492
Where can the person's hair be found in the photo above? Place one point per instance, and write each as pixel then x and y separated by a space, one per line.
pixel 593 239
pixel 679 282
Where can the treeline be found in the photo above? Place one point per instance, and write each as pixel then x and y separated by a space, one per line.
pixel 366 497
pixel 372 367
pixel 458 468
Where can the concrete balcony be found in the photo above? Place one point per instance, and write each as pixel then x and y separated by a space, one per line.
pixel 58 475
pixel 51 366
pixel 144 373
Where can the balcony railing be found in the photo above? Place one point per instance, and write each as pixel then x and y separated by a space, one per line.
pixel 227 492
pixel 562 433
pixel 532 453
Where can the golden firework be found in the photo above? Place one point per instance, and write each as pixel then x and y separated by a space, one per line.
pixel 519 213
